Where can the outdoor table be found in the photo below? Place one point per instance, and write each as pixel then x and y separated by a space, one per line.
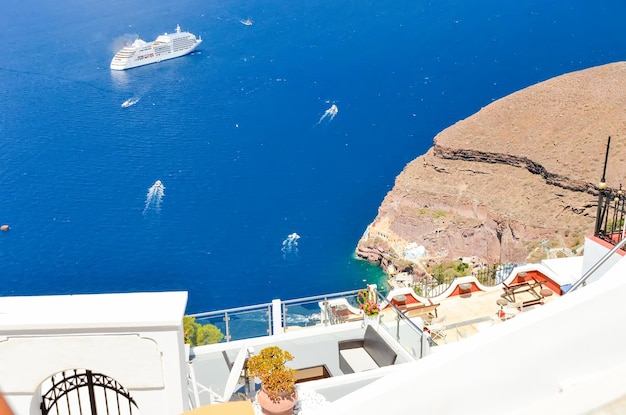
pixel 399 299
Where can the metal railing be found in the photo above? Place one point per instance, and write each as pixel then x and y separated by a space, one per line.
pixel 304 312
pixel 610 216
pixel 406 332
pixel 583 280
pixel 492 275
pixel 240 322
pixel 489 276
pixel 256 320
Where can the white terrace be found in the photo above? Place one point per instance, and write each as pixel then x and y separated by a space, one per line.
pixel 564 356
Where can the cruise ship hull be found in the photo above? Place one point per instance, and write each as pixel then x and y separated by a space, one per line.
pixel 166 46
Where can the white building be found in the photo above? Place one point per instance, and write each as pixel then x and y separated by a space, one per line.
pixel 134 339
pixel 564 357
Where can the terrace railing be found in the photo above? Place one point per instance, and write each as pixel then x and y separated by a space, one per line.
pixel 492 275
pixel 303 312
pixel 261 319
pixel 406 332
pixel 489 276
pixel 610 215
pixel 257 320
pixel 582 281
pixel 241 322
pixel 280 316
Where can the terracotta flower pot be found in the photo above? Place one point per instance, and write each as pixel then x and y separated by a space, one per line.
pixel 283 407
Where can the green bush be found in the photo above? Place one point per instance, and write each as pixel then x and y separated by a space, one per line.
pixel 445 272
pixel 197 334
pixel 208 334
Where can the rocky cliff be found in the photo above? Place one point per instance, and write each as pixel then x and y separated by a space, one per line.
pixel 517 177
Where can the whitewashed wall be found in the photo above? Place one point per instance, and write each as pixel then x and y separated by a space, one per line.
pixel 135 338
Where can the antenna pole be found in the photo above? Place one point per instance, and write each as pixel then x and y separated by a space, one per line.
pixel 606 160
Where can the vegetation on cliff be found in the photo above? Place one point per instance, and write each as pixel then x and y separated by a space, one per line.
pixel 514 182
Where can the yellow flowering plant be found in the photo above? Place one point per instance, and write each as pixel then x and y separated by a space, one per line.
pixel 277 379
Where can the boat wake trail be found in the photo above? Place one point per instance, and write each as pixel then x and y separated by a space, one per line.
pixel 329 114
pixel 290 244
pixel 304 320
pixel 154 197
pixel 130 102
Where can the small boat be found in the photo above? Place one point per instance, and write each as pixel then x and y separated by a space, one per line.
pixel 247 22
pixel 130 102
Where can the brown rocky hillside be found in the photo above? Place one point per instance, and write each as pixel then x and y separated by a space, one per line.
pixel 520 171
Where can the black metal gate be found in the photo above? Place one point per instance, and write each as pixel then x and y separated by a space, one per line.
pixel 82 392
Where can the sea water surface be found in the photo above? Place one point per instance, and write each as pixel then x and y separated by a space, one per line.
pixel 237 136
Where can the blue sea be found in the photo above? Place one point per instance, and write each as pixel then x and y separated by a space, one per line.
pixel 236 132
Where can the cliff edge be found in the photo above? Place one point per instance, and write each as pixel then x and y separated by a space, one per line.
pixel 510 182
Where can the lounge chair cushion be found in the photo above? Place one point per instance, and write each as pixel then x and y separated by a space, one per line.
pixel 371 352
pixel 358 359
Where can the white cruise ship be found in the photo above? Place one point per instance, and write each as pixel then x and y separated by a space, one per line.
pixel 166 46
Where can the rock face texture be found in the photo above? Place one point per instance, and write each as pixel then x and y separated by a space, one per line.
pixel 518 177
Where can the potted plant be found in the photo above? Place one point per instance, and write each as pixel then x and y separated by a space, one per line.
pixel 367 303
pixel 278 394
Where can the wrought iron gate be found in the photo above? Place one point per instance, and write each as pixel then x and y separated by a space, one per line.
pixel 83 392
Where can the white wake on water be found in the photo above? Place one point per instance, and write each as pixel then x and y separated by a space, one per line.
pixel 154 197
pixel 330 113
pixel 130 102
pixel 290 244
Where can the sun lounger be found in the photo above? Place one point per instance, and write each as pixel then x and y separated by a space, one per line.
pixel 425 311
